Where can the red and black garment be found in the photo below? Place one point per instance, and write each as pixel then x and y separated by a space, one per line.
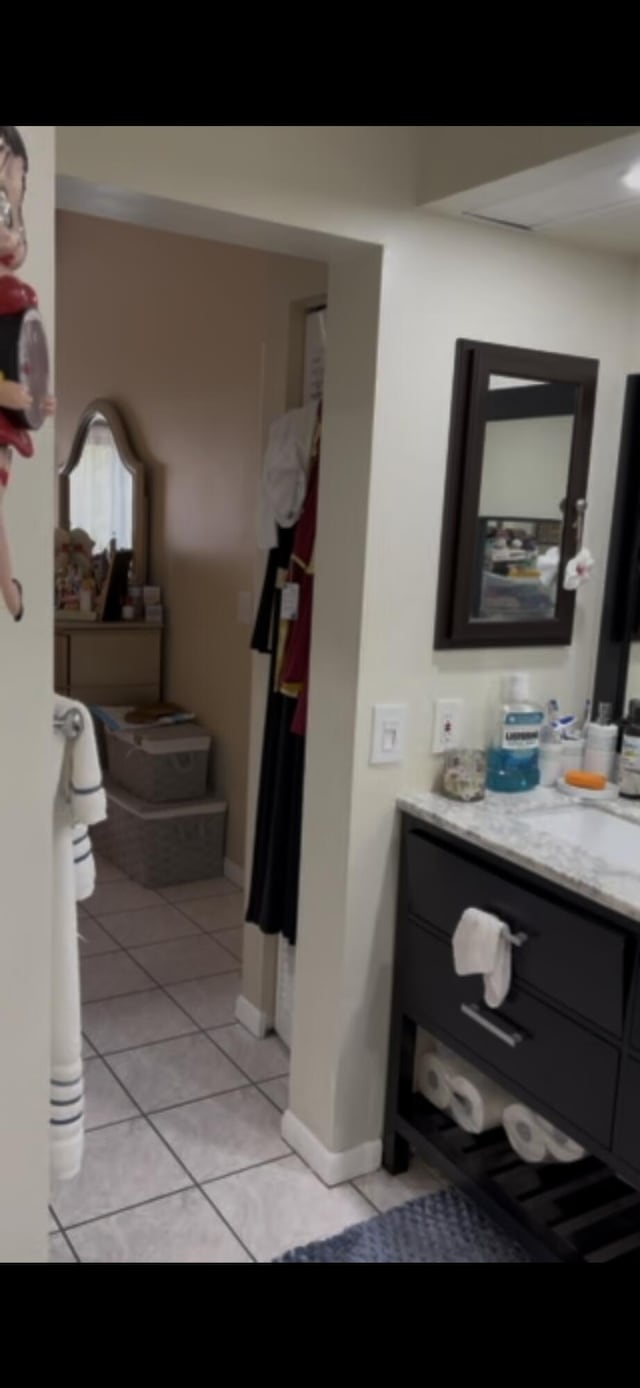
pixel 273 898
pixel 15 298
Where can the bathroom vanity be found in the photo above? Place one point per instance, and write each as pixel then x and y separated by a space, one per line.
pixel 566 1041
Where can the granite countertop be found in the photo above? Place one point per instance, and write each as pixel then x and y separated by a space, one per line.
pixel 506 825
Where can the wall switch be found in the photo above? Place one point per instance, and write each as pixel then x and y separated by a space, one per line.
pixel 447 724
pixel 388 734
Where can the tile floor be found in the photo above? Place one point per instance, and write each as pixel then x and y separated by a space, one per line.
pixel 184 1160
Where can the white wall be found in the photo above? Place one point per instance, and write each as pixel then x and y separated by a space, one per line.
pixel 26 803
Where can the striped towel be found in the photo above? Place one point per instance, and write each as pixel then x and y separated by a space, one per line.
pixel 80 802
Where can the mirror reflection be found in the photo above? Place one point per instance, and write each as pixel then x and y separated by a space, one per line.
pixel 101 490
pixel 526 457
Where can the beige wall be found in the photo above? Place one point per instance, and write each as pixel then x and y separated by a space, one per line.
pixel 26 791
pixel 190 338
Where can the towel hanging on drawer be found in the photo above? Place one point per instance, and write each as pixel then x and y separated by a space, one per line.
pixel 482 945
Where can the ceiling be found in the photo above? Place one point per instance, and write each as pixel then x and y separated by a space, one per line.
pixel 580 199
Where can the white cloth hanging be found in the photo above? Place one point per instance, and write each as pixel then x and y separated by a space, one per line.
pixel 482 945
pixel 79 802
pixel 285 472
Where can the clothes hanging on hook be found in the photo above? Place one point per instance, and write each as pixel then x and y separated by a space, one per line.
pixel 285 472
pixel 273 899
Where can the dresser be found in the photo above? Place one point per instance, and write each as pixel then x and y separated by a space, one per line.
pixel 566 1041
pixel 113 663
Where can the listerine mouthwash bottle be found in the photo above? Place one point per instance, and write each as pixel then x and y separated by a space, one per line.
pixel 513 755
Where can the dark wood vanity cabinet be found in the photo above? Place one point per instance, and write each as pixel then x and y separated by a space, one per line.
pixel 566 1042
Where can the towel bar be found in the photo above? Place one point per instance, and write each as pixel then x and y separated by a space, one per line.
pixel 70 723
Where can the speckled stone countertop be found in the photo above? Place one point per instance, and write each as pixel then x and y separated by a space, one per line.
pixel 506 825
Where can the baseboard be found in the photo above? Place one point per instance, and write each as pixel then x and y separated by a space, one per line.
pixel 250 1016
pixel 332 1167
pixel 234 873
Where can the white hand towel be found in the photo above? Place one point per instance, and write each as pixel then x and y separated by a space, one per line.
pixel 482 945
pixel 526 1134
pixel 285 472
pixel 79 802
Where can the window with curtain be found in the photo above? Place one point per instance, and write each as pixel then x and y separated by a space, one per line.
pixel 101 490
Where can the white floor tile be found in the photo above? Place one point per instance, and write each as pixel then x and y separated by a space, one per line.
pixel 110 976
pixel 149 925
pixel 123 1165
pixel 386 1192
pixel 59 1251
pixel 277 1091
pixel 283 1205
pixel 181 1228
pixel 87 1048
pixel 233 940
pixel 92 939
pixel 260 1059
pixel 121 896
pixel 179 960
pixel 135 1020
pixel 210 1001
pixel 173 1072
pixel 107 872
pixel 217 1136
pixel 104 1099
pixel 215 913
pixel 193 891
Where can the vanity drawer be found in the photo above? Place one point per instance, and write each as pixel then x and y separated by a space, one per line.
pixel 627 1135
pixel 530 1044
pixel 568 956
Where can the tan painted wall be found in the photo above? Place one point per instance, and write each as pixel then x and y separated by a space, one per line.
pixel 190 338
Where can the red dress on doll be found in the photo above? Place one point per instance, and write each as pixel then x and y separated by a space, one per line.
pixel 15 298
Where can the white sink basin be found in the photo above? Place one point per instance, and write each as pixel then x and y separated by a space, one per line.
pixel 615 840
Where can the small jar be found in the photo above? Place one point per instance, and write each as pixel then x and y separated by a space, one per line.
pixel 465 774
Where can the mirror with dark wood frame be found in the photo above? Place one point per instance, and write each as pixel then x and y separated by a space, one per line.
pixel 103 485
pixel 618 664
pixel 519 445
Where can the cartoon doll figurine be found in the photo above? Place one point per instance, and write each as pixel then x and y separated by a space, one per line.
pixel 24 361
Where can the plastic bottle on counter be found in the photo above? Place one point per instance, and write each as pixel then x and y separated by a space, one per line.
pixel 600 746
pixel 629 775
pixel 550 749
pixel 513 756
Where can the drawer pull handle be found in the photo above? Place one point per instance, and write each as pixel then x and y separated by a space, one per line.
pixel 510 1038
pixel 519 939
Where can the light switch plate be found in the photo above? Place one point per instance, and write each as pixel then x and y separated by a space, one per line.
pixel 447 725
pixel 388 734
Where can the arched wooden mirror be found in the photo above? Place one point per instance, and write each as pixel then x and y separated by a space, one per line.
pixel 103 485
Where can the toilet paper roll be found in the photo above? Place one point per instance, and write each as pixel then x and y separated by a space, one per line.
pixel 434 1076
pixel 559 1146
pixel 477 1104
pixel 526 1134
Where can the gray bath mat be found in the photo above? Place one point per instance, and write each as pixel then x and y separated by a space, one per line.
pixel 442 1228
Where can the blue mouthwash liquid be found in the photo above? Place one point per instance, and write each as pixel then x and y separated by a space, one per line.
pixel 512 760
